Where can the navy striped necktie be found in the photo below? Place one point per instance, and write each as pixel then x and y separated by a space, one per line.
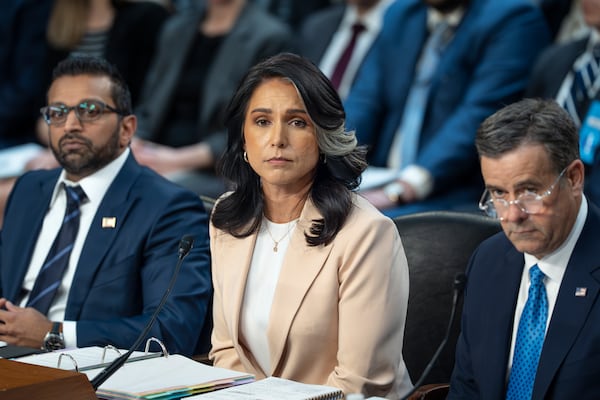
pixel 50 277
pixel 342 64
pixel 585 84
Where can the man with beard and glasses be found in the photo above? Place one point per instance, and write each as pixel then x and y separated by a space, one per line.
pixel 88 250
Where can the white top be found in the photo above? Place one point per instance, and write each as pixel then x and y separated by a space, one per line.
pixel 262 280
pixel 373 21
pixel 94 186
pixel 553 266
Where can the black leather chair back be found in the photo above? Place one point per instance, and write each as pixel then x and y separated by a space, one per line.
pixel 438 246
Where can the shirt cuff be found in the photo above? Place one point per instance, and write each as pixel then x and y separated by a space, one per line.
pixel 70 334
pixel 419 178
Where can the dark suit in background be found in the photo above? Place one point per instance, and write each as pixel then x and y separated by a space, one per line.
pixel 318 34
pixel 22 52
pixel 317 31
pixel 548 74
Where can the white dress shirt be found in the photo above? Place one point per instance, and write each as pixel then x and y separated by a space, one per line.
pixel 553 266
pixel 373 21
pixel 261 282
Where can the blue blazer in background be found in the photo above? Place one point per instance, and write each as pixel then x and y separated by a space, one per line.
pixel 569 366
pixel 484 67
pixel 123 272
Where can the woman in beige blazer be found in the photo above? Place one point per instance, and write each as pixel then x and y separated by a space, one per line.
pixel 310 280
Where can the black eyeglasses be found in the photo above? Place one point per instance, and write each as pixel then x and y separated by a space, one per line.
pixel 86 111
pixel 528 202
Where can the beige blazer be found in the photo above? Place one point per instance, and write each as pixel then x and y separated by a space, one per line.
pixel 338 311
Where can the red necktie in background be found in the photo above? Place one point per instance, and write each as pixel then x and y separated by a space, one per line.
pixel 342 64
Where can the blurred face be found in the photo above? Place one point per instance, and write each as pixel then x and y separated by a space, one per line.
pixel 591 13
pixel 280 138
pixel 84 147
pixel 529 168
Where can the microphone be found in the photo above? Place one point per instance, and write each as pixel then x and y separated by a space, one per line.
pixel 459 285
pixel 185 245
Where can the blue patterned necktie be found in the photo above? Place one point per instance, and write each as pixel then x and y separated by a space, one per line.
pixel 404 148
pixel 50 277
pixel 530 339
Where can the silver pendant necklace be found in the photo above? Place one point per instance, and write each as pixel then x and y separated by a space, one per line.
pixel 290 226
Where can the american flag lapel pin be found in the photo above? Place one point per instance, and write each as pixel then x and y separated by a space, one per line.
pixel 109 222
pixel 580 292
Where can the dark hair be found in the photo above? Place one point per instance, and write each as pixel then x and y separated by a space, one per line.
pixel 530 121
pixel 338 173
pixel 96 66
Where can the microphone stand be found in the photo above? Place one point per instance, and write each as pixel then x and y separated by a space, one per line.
pixel 185 245
pixel 459 285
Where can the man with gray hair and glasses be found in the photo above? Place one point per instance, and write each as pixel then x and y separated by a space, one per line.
pixel 531 317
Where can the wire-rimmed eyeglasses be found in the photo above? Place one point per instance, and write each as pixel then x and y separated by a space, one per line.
pixel 528 202
pixel 87 110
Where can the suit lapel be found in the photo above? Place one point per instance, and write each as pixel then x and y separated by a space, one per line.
pixel 301 266
pixel 36 207
pixel 571 311
pixel 116 204
pixel 236 277
pixel 501 314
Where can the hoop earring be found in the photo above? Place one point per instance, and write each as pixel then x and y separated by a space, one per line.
pixel 245 156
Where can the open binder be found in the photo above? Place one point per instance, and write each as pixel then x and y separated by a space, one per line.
pixel 169 377
pixel 85 358
pixel 273 388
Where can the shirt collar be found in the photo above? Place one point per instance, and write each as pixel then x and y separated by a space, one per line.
pixel 96 184
pixel 554 264
pixel 594 39
pixel 435 17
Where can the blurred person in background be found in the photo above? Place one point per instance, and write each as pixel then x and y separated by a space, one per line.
pixel 339 37
pixel 201 57
pixel 570 73
pixel 437 70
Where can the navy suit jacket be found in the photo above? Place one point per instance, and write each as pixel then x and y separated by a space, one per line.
pixel 123 272
pixel 569 365
pixel 484 67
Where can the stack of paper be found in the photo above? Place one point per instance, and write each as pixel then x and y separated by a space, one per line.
pixel 14 159
pixel 273 388
pixel 169 377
